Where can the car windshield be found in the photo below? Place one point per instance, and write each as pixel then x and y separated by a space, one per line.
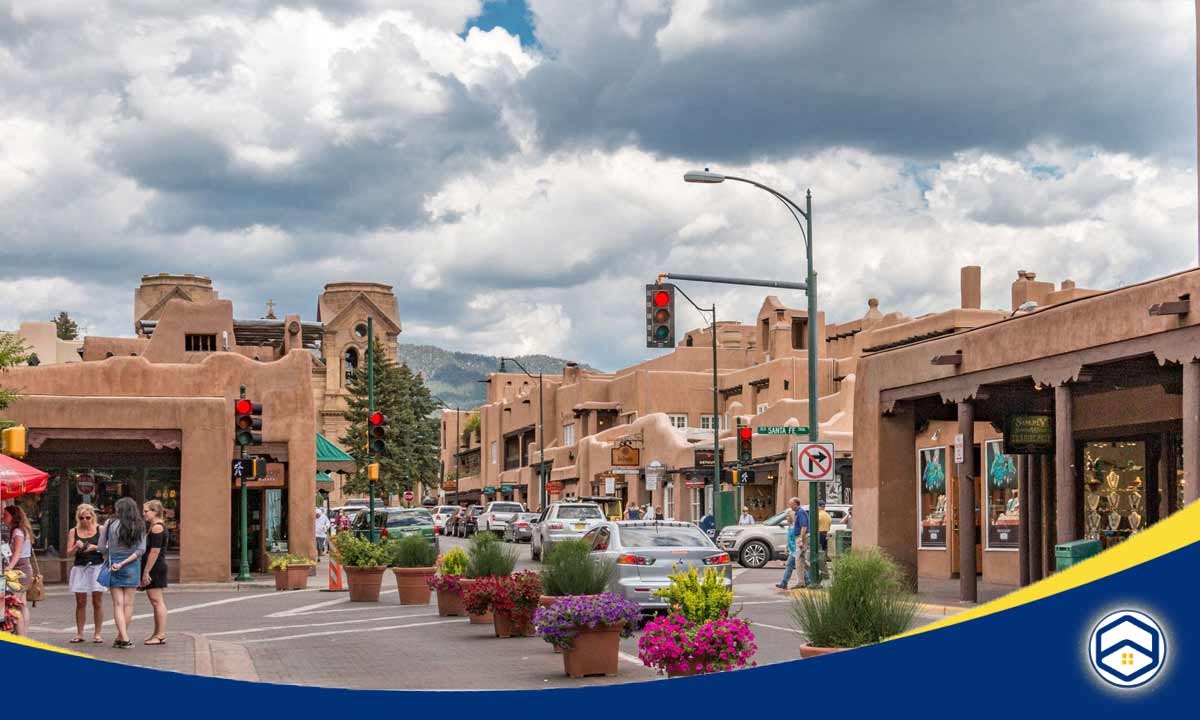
pixel 663 536
pixel 528 516
pixel 506 507
pixel 446 510
pixel 580 512
pixel 775 519
pixel 407 519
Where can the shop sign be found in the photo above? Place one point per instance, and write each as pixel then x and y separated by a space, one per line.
pixel 655 472
pixel 554 486
pixel 1029 434
pixel 610 484
pixel 489 490
pixel 626 471
pixel 506 488
pixel 959 455
pixel 448 484
pixel 626 456
pixel 704 458
pixel 696 481
pixel 85 484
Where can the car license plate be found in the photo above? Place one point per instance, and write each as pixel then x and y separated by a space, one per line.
pixel 580 526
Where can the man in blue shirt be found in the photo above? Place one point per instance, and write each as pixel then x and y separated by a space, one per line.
pixel 800 529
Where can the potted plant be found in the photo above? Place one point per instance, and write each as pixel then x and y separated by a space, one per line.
pixel 568 568
pixel 699 636
pixel 510 601
pixel 588 629
pixel 487 558
pixel 291 571
pixel 365 563
pixel 866 603
pixel 413 561
pixel 448 582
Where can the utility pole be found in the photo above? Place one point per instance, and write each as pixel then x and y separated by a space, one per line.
pixel 244 567
pixel 371 411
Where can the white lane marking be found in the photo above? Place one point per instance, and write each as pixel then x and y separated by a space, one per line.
pixel 187 608
pixel 754 624
pixel 738 573
pixel 269 628
pixel 353 630
pixel 630 658
pixel 761 602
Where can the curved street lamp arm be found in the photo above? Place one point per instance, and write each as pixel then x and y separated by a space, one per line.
pixel 792 207
pixel 693 302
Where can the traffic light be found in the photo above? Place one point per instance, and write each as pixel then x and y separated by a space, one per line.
pixel 259 468
pixel 378 431
pixel 660 316
pixel 12 441
pixel 747 477
pixel 247 421
pixel 373 472
pixel 745 441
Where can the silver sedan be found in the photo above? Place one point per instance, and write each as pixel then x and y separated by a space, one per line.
pixel 647 552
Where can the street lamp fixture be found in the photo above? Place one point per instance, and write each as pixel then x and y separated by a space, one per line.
pixel 703 176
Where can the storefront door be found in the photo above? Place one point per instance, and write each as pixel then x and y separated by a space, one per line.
pixel 1120 487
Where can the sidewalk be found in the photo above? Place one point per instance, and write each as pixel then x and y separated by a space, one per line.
pixel 258 581
pixel 940 597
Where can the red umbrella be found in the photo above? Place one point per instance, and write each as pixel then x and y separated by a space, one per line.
pixel 17 478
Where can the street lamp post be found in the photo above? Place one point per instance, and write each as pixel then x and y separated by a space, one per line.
pixel 810 288
pixel 542 497
pixel 457 443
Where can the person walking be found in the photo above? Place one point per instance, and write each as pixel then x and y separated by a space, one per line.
pixel 154 572
pixel 83 543
pixel 21 541
pixel 322 531
pixel 796 556
pixel 633 512
pixel 650 512
pixel 123 542
pixel 824 522
pixel 746 518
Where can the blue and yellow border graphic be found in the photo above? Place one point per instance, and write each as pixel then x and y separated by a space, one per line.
pixel 1025 654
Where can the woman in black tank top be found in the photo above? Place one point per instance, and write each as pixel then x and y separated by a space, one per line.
pixel 84 543
pixel 154 569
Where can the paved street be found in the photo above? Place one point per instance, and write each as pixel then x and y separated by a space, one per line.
pixel 317 638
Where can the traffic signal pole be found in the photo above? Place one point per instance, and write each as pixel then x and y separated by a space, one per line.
pixel 244 567
pixel 370 411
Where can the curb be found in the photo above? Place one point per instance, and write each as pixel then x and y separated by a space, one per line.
pixel 927 608
pixel 62 591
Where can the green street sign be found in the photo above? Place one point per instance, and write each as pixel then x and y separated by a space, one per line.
pixel 506 488
pixel 780 430
pixel 489 490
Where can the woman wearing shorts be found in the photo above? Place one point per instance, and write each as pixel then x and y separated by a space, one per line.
pixel 83 542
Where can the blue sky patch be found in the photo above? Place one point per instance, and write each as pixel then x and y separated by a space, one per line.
pixel 512 15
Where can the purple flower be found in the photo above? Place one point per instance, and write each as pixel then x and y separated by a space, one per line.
pixel 560 622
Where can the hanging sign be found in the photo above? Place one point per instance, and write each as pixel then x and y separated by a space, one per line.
pixel 959 455
pixel 610 484
pixel 1029 434
pixel 626 456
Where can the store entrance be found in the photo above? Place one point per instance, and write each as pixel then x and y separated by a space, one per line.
pixel 266 524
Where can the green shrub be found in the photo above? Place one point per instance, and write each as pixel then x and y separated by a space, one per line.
pixel 411 551
pixel 698 598
pixel 453 562
pixel 281 562
pixel 490 557
pixel 866 603
pixel 353 551
pixel 570 570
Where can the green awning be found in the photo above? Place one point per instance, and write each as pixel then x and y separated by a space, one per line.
pixel 323 478
pixel 328 452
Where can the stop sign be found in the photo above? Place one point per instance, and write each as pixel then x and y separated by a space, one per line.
pixel 408 496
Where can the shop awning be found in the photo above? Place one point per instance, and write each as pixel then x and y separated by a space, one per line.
pixel 331 458
pixel 17 478
pixel 324 479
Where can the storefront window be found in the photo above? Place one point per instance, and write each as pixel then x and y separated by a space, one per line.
pixel 1114 491
pixel 669 500
pixel 163 485
pixel 1177 447
pixel 694 495
pixel 932 497
pixel 1000 495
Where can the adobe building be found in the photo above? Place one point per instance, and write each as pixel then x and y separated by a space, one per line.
pixel 1075 415
pixel 663 409
pixel 150 416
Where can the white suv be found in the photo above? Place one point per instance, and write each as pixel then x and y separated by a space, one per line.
pixel 497 516
pixel 563 521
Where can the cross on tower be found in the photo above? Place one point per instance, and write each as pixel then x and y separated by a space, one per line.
pixel 270 310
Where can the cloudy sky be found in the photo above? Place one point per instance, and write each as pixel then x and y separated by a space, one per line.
pixel 514 168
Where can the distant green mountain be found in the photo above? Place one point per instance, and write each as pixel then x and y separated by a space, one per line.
pixel 454 376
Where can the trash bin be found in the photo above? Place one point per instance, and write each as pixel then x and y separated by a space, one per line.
pixel 1072 553
pixel 841 542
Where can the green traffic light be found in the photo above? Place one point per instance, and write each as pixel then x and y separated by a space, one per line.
pixel 661 332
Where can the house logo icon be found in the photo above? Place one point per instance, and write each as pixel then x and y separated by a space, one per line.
pixel 1127 649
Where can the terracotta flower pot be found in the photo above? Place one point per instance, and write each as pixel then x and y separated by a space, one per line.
pixel 690 672
pixel 484 619
pixel 412 584
pixel 450 603
pixel 812 651
pixel 295 577
pixel 365 582
pixel 505 627
pixel 594 652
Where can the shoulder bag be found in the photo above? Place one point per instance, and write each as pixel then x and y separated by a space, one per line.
pixel 37 586
pixel 104 577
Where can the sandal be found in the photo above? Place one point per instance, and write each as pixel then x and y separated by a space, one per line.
pixel 155 641
pixel 75 640
pixel 98 640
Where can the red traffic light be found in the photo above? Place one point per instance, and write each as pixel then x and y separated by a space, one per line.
pixel 377 418
pixel 661 298
pixel 243 407
pixel 744 433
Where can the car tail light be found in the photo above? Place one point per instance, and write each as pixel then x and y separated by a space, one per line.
pixel 636 560
pixel 722 559
pixel 383 533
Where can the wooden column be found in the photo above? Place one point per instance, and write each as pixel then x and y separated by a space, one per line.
pixel 1037 570
pixel 1066 500
pixel 1049 503
pixel 1023 515
pixel 1191 432
pixel 968 583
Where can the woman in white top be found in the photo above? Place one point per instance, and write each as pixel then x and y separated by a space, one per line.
pixel 747 518
pixel 22 551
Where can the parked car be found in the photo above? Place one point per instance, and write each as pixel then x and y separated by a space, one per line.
pixel 648 552
pixel 454 522
pixel 498 515
pixel 521 527
pixel 840 514
pixel 470 521
pixel 753 546
pixel 441 514
pixel 396 522
pixel 348 511
pixel 563 521
pixel 611 506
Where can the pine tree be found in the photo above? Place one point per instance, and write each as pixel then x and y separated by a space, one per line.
pixel 66 327
pixel 412 439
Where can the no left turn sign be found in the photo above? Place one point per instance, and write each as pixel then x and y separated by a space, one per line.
pixel 814 462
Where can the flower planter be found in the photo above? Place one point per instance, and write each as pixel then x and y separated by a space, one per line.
pixel 594 652
pixel 546 601
pixel 690 672
pixel 812 651
pixel 293 577
pixel 413 585
pixel 365 582
pixel 505 628
pixel 484 619
pixel 450 603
